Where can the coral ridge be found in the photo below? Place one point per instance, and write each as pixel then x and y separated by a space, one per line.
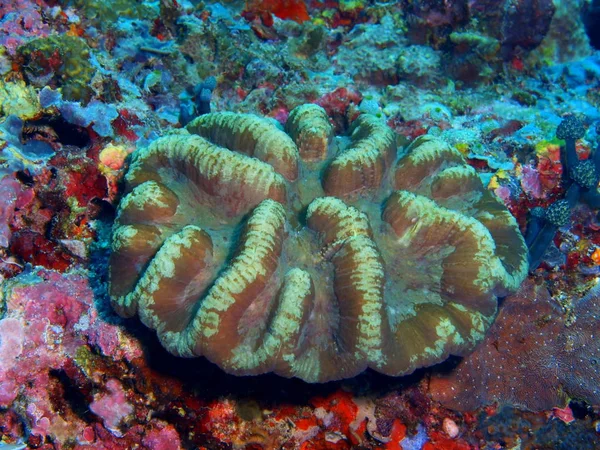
pixel 219 248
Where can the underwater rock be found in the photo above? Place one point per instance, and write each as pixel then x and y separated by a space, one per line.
pixel 533 357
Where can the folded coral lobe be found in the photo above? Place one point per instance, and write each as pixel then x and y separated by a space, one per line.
pixel 390 265
pixel 309 127
pixel 363 166
pixel 251 135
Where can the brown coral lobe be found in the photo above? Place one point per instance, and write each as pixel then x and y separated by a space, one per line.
pixel 231 246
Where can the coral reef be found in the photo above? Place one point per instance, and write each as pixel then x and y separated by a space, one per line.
pixel 581 184
pixel 53 187
pixel 519 27
pixel 83 84
pixel 104 15
pixel 322 296
pixel 379 67
pixel 481 34
pixel 534 356
pixel 59 61
pixel 523 24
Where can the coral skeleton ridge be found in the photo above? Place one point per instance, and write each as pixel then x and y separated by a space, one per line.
pixel 309 126
pixel 251 135
pixel 265 253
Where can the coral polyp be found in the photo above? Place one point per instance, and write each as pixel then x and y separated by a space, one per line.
pixel 234 245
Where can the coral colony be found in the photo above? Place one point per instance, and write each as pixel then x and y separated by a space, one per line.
pixel 315 225
pixel 324 289
pixel 581 180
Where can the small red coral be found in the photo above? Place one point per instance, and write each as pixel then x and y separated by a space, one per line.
pixel 86 185
pixel 342 411
pixel 441 442
pixel 284 9
pixel 341 106
pixel 549 167
pixel 124 123
pixel 412 129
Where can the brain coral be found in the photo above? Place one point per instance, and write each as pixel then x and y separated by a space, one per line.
pixel 234 245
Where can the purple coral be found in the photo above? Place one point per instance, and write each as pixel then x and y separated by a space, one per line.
pixel 49 323
pixel 532 357
pixel 9 189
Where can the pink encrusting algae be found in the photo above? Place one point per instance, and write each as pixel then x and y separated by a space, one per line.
pixel 112 407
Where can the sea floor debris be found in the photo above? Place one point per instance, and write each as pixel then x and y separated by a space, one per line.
pixel 83 86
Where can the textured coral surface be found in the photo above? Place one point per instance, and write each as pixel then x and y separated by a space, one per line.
pixel 310 264
pixel 533 356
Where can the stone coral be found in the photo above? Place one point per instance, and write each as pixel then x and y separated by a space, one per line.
pixel 532 356
pixel 366 161
pixel 251 135
pixel 359 263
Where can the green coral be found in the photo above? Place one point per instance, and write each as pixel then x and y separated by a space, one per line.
pixel 104 14
pixel 61 61
pixel 18 99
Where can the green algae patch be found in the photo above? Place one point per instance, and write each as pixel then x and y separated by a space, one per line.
pixel 104 14
pixel 18 99
pixel 60 62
